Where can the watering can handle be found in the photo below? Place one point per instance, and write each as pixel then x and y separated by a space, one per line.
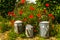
pixel 28 32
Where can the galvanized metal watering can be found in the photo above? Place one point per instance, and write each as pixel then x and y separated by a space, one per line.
pixel 29 30
pixel 44 28
pixel 18 26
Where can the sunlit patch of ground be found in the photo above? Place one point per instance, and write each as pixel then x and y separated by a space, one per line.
pixel 4 36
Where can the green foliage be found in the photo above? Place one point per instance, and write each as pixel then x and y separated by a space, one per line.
pixel 58 30
pixel 4 27
pixel 6 6
pixel 58 15
pixel 12 35
pixel 22 35
pixel 55 30
pixel 44 18
pixel 4 24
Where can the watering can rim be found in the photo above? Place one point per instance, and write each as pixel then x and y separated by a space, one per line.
pixel 44 22
pixel 18 21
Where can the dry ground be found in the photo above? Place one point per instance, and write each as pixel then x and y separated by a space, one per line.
pixel 4 36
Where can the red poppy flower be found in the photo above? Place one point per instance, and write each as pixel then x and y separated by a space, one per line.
pixel 9 13
pixel 50 15
pixel 13 15
pixel 32 8
pixel 53 17
pixel 23 1
pixel 21 12
pixel 31 16
pixel 38 15
pixel 12 12
pixel 47 5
